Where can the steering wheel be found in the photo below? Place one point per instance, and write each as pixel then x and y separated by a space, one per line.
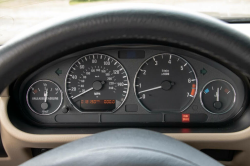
pixel 124 147
pixel 147 24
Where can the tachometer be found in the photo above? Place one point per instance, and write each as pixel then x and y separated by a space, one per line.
pixel 165 82
pixel 97 82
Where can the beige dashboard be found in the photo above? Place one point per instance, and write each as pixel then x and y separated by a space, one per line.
pixel 18 143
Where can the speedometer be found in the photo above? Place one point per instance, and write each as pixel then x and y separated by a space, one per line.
pixel 165 82
pixel 96 83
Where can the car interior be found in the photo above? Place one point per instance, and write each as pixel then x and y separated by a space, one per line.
pixel 124 83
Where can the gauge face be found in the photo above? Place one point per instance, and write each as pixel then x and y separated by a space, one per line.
pixel 165 82
pixel 44 97
pixel 218 96
pixel 97 82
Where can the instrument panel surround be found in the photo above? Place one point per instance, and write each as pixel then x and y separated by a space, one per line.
pixel 198 62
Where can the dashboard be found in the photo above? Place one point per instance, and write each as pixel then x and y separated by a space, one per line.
pixel 131 84
pixel 87 73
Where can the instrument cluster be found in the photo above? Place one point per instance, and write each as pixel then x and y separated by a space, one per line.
pixel 132 84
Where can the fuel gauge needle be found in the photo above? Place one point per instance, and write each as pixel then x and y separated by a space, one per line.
pixel 158 87
pixel 45 95
pixel 83 93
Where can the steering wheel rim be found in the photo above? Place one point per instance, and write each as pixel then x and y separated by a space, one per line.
pixel 130 147
pixel 123 24
pixel 151 24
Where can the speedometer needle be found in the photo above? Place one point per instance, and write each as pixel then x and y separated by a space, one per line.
pixel 83 93
pixel 158 87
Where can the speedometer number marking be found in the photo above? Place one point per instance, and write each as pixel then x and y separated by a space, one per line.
pixel 97 82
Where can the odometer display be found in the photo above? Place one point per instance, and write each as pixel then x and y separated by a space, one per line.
pixel 165 83
pixel 98 105
pixel 97 82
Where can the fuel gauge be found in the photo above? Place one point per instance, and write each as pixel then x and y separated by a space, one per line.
pixel 44 97
pixel 218 96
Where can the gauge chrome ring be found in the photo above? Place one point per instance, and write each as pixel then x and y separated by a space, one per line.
pixel 125 97
pixel 27 98
pixel 160 55
pixel 233 99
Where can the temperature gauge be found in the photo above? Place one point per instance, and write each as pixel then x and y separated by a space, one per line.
pixel 44 97
pixel 218 96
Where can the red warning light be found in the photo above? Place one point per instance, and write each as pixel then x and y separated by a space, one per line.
pixel 185 118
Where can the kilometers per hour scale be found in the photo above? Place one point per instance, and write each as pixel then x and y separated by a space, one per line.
pixel 96 83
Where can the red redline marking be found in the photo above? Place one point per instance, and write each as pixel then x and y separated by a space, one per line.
pixel 193 90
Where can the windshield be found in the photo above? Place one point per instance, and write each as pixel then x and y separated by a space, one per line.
pixel 17 15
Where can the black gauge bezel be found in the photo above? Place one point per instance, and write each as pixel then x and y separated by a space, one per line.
pixel 47 71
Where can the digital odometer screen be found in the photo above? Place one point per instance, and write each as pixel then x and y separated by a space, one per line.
pixel 98 105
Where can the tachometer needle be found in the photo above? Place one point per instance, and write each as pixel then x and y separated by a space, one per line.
pixel 158 87
pixel 83 93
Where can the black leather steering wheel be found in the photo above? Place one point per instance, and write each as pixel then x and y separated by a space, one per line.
pixel 127 24
pixel 137 23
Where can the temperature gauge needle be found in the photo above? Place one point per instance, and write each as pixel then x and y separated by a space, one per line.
pixel 158 87
pixel 217 103
pixel 83 93
pixel 217 94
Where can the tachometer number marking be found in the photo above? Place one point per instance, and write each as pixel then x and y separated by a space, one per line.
pixel 162 91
